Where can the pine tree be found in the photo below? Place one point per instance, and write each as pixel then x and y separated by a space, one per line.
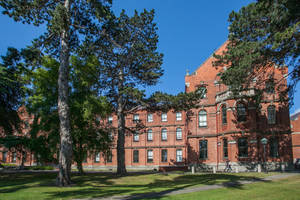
pixel 65 21
pixel 127 50
pixel 262 34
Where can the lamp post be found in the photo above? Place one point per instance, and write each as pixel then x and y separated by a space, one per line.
pixel 264 141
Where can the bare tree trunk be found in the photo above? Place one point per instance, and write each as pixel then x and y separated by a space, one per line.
pixel 65 154
pixel 121 170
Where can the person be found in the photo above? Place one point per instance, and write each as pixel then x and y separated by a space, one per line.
pixel 228 166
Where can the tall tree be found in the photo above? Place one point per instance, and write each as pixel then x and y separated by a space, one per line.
pixel 88 135
pixel 65 20
pixel 264 33
pixel 11 90
pixel 127 50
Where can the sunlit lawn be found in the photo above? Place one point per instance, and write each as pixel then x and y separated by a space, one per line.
pixel 284 189
pixel 96 185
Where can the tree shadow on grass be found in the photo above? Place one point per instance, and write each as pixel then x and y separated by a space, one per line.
pixel 156 189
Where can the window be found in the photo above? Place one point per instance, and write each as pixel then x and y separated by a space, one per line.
pixel 135 156
pixel 14 157
pixel 164 135
pixel 225 148
pixel 150 117
pixel 110 119
pixel 164 117
pixel 178 116
pixel 150 135
pixel 202 118
pixel 179 155
pixel 164 155
pixel 202 91
pixel 136 137
pixel 203 149
pixel 241 112
pixel 243 147
pixel 4 156
pixel 224 114
pixel 109 156
pixel 97 157
pixel 149 156
pixel 273 142
pixel 271 115
pixel 178 134
pixel 136 118
pixel 270 88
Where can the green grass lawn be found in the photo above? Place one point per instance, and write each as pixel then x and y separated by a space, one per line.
pixel 97 185
pixel 284 189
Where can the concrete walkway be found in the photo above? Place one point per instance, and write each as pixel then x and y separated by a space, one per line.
pixel 195 188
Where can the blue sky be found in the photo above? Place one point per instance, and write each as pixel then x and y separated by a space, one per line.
pixel 189 32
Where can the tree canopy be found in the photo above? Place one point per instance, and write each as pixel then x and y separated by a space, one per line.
pixel 264 33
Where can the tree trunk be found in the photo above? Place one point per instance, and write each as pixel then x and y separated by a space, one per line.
pixel 23 159
pixel 65 154
pixel 121 170
pixel 79 167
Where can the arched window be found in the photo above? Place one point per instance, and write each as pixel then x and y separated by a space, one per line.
pixel 224 114
pixel 241 112
pixel 164 135
pixel 271 114
pixel 202 118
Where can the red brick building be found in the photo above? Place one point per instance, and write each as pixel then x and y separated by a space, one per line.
pixel 295 125
pixel 224 128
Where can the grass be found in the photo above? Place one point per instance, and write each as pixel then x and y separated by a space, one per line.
pixel 40 185
pixel 284 189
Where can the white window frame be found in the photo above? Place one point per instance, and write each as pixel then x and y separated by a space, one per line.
pixel 202 118
pixel 150 117
pixel 164 134
pixel 178 155
pixel 149 155
pixel 164 117
pixel 149 132
pixel 136 137
pixel 178 116
pixel 178 134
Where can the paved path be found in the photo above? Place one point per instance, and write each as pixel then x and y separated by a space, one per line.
pixel 194 189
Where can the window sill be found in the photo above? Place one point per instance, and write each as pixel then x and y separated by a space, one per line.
pixel 203 126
